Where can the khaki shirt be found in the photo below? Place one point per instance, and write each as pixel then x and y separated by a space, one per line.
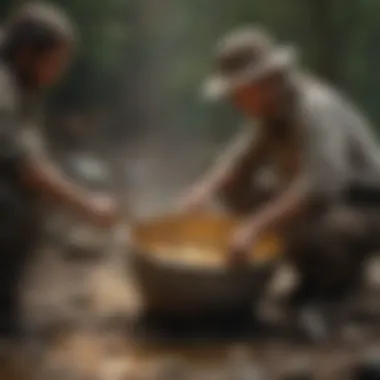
pixel 325 139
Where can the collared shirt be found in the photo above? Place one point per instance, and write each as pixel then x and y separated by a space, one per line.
pixel 323 138
pixel 338 145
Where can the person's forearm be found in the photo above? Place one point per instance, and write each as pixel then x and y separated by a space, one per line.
pixel 243 156
pixel 289 205
pixel 45 178
pixel 212 182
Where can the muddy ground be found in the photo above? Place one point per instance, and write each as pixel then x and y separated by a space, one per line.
pixel 86 309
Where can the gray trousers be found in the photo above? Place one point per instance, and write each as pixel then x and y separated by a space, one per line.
pixel 16 251
pixel 327 246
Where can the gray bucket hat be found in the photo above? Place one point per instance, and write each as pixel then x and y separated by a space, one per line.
pixel 245 56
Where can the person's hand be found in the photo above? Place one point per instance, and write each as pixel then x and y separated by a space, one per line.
pixel 101 210
pixel 193 201
pixel 243 241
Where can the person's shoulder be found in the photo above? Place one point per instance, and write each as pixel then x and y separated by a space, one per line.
pixel 323 107
pixel 251 130
pixel 9 96
pixel 315 95
pixel 319 100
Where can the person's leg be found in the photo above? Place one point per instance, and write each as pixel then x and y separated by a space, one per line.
pixel 328 251
pixel 12 264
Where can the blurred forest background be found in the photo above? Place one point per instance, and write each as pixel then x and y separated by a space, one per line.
pixel 134 87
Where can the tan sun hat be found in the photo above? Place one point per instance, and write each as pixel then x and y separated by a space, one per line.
pixel 245 56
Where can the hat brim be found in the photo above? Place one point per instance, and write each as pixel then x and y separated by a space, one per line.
pixel 220 86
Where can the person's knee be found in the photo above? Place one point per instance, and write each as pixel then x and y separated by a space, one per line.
pixel 344 223
pixel 331 238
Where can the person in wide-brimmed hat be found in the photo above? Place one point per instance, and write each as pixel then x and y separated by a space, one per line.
pixel 245 57
pixel 316 143
pixel 253 72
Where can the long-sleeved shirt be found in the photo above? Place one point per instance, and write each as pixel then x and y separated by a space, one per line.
pixel 18 204
pixel 338 144
pixel 321 137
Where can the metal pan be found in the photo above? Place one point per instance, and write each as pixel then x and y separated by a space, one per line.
pixel 170 285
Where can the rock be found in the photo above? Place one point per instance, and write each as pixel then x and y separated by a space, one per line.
pixel 314 323
pixel 283 283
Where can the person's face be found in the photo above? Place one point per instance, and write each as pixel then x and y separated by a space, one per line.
pixel 258 99
pixel 249 99
pixel 52 65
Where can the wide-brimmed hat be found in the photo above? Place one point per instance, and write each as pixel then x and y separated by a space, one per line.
pixel 245 56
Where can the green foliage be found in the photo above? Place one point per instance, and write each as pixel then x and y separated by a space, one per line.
pixel 162 50
pixel 103 36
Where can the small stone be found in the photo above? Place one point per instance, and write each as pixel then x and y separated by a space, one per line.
pixel 283 283
pixel 314 323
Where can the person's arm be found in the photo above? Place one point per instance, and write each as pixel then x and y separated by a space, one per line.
pixel 23 157
pixel 323 167
pixel 39 173
pixel 246 150
pixel 24 161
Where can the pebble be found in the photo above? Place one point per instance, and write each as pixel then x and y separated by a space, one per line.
pixel 313 322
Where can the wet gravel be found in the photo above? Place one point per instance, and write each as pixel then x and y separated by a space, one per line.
pixel 87 312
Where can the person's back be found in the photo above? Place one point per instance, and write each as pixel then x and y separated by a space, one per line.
pixel 352 132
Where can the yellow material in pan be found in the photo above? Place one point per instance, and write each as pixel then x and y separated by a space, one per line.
pixel 197 240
